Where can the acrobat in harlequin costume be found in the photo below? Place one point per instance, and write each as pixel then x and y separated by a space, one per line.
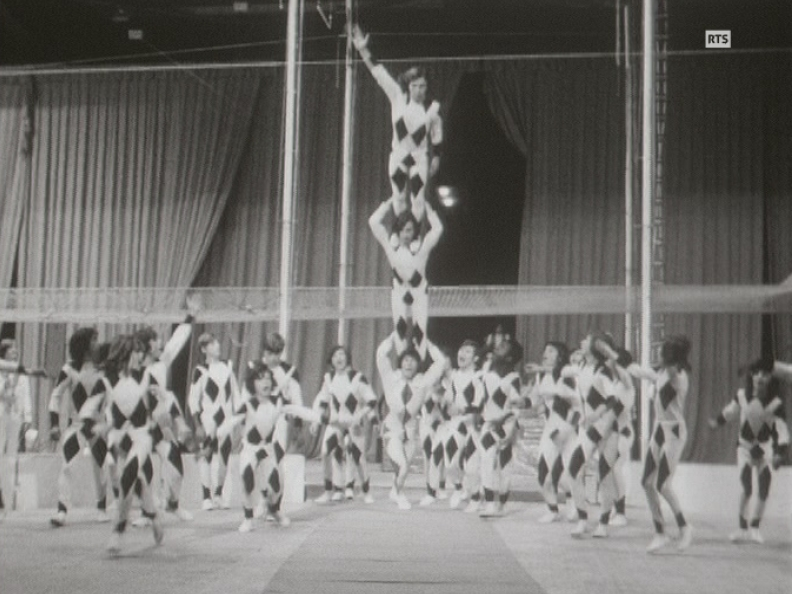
pixel 131 398
pixel 344 402
pixel 405 391
pixel 558 395
pixel 210 403
pixel 171 430
pixel 625 393
pixel 260 408
pixel 409 297
pixel 287 384
pixel 77 381
pixel 668 437
pixel 760 409
pixel 499 432
pixel 457 439
pixel 596 432
pixel 432 434
pixel 417 131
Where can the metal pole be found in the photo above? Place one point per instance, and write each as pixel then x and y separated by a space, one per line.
pixel 346 178
pixel 628 174
pixel 289 166
pixel 647 178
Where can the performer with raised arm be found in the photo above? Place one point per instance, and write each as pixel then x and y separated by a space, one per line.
pixel 131 395
pixel 260 406
pixel 760 409
pixel 210 404
pixel 171 429
pixel 287 383
pixel 503 394
pixel 409 297
pixel 344 402
pixel 77 380
pixel 417 131
pixel 667 438
pixel 563 412
pixel 405 390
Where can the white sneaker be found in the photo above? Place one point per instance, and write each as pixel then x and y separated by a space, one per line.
pixel 456 498
pixel 159 532
pixel 349 493
pixel 443 495
pixel 571 512
pixel 580 529
pixel 183 514
pixel 337 496
pixel 114 544
pixel 658 542
pixel 427 500
pixel 601 531
pixel 490 510
pixel 739 536
pixel 619 520
pixel 403 502
pixel 685 537
pixel 282 520
pixel 220 503
pixel 246 525
pixel 141 522
pixel 549 517
pixel 323 498
pixel 472 507
pixel 59 520
pixel 368 498
pixel 260 510
pixel 756 536
pixel 102 516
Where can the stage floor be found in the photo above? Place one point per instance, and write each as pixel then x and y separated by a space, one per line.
pixel 353 547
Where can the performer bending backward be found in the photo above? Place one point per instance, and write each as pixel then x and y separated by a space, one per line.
pixel 563 412
pixel 171 430
pixel 417 131
pixel 760 409
pixel 405 391
pixel 210 402
pixel 409 297
pixel 667 438
pixel 343 403
pixel 78 379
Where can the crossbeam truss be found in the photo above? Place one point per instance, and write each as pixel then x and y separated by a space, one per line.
pixel 262 304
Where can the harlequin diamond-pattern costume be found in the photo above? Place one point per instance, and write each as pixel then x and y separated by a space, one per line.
pixel 762 428
pixel 211 393
pixel 343 402
pixel 86 394
pixel 563 412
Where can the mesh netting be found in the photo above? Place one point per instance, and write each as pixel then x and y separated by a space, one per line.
pixel 243 304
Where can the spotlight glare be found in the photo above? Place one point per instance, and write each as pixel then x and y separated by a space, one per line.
pixel 447 196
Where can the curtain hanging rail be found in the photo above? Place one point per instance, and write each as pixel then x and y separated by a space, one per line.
pixel 10 72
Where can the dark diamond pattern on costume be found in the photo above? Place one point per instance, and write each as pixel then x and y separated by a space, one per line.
pixel 663 472
pixel 219 417
pixel 660 436
pixel 126 443
pixel 499 398
pixel 418 135
pixel 418 335
pixel 351 403
pixel 667 394
pixel 430 406
pixel 119 418
pixel 79 396
pixel 451 448
pixel 401 129
pixel 406 393
pixel 408 298
pixel 764 433
pixel 561 407
pixel 487 441
pixel 336 403
pixel 747 433
pixel 416 184
pixel 469 393
pixel 408 161
pixel 139 416
pixel 254 436
pixel 71 447
pixel 401 328
pixel 594 399
pixel 416 279
pixel 757 452
pixel 399 178
pixel 212 390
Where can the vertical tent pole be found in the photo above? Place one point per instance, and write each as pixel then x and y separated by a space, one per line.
pixel 289 167
pixel 628 183
pixel 646 218
pixel 346 178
